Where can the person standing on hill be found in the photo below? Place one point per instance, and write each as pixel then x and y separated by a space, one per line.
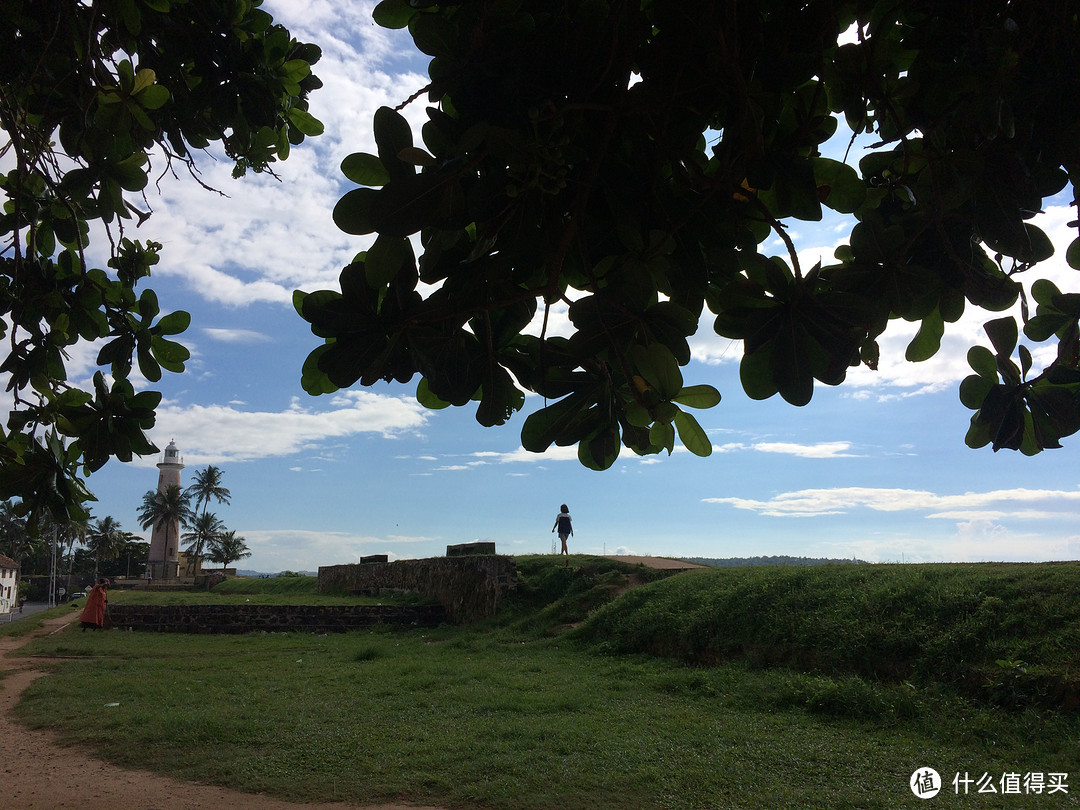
pixel 565 527
pixel 93 615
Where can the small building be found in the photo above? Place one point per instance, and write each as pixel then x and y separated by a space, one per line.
pixel 9 585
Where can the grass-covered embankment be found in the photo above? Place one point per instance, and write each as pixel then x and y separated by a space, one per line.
pixel 1009 633
pixel 523 711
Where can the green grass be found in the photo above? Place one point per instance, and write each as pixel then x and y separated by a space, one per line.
pixel 518 712
pixel 1006 632
pixel 294 590
pixel 270 585
pixel 25 625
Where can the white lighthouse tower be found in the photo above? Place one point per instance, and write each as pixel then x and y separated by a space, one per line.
pixel 163 562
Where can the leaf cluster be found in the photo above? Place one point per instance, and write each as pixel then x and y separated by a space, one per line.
pixel 88 93
pixel 638 161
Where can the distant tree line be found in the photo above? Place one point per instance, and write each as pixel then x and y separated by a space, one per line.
pixel 732 562
pixel 85 549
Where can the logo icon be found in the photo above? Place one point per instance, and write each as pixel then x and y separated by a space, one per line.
pixel 925 783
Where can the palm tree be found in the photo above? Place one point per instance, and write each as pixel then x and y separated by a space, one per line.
pixel 227 548
pixel 207 485
pixel 105 540
pixel 204 530
pixel 15 538
pixel 135 548
pixel 163 509
pixel 70 534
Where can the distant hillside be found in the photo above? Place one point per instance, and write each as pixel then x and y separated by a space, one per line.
pixel 731 562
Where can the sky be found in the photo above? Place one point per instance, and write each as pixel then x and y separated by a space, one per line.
pixel 875 469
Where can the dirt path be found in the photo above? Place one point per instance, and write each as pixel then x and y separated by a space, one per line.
pixel 37 774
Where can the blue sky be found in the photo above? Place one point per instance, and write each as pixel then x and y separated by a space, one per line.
pixel 875 469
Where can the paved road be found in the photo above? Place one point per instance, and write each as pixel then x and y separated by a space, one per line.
pixel 29 609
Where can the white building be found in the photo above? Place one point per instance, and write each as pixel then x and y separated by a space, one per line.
pixel 165 540
pixel 9 585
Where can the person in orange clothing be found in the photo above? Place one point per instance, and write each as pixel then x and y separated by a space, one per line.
pixel 93 615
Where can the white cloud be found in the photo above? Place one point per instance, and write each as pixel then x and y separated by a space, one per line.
pixel 270 236
pixel 980 540
pixel 236 335
pixel 839 449
pixel 215 434
pixel 819 450
pixel 296 549
pixel 968 506
pixel 553 453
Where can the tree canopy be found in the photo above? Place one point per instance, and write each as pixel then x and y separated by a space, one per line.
pixel 633 160
pixel 97 100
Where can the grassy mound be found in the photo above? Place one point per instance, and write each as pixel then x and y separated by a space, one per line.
pixel 269 585
pixel 1009 633
pixel 557 592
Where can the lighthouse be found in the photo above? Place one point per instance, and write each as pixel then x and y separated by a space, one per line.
pixel 163 562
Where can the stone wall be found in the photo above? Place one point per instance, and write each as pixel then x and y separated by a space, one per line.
pixel 469 587
pixel 271 618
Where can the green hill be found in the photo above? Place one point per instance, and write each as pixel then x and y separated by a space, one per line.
pixel 1009 633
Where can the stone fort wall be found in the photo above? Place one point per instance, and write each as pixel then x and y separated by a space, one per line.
pixel 469 586
pixel 271 618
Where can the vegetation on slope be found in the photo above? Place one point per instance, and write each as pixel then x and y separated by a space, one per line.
pixel 1006 632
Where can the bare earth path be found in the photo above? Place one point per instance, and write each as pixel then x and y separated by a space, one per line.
pixel 37 774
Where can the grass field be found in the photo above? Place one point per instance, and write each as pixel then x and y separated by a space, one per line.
pixel 722 688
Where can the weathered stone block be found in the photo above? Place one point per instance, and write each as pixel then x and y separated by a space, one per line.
pixel 470 549
pixel 469 587
pixel 271 618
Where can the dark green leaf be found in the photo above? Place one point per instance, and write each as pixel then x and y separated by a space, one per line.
pixel 755 373
pixel 1072 254
pixel 365 169
pixel 662 435
pixel 393 13
pixel 927 340
pixel 385 258
pixel 174 323
pixel 984 363
pixel 305 122
pixel 313 379
pixel 691 434
pixel 153 97
pixel 500 397
pixel 698 396
pixel 973 390
pixel 599 451
pixel 169 354
pixel 354 212
pixel 392 135
pixel 659 367
pixel 428 399
pixel 559 423
pixel 839 186
pixel 1003 334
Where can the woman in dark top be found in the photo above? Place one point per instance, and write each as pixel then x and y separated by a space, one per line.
pixel 565 527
